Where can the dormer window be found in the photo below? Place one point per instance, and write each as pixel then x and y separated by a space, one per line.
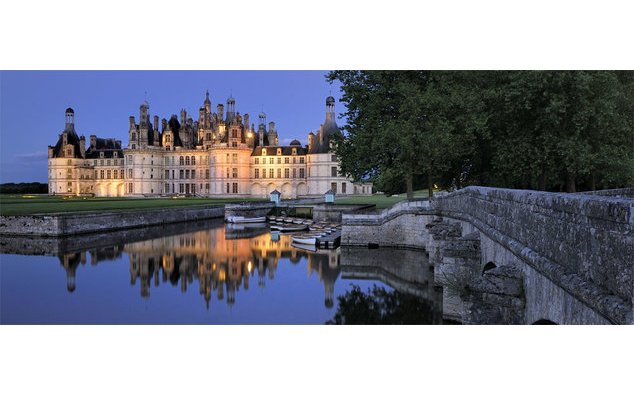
pixel 101 154
pixel 279 151
pixel 294 151
pixel 263 151
pixel 115 154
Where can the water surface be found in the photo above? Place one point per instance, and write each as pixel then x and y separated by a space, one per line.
pixel 207 273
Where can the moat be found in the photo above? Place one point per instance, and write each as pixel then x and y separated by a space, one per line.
pixel 210 273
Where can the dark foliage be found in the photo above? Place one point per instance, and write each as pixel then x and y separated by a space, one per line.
pixel 379 306
pixel 546 130
pixel 24 188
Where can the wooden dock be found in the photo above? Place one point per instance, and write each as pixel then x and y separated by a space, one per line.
pixel 330 241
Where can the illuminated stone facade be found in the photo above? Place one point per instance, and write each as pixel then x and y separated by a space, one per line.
pixel 220 154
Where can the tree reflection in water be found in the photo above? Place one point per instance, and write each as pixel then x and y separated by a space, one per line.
pixel 380 306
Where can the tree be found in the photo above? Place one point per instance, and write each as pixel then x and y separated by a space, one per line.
pixel 384 139
pixel 550 130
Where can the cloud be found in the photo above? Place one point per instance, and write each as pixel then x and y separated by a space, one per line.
pixel 36 156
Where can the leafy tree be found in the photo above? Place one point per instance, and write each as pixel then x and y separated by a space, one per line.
pixel 385 140
pixel 548 130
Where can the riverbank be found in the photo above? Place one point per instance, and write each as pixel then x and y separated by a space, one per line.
pixel 20 205
pixel 64 224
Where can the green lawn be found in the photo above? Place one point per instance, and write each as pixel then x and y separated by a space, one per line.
pixel 380 200
pixel 12 204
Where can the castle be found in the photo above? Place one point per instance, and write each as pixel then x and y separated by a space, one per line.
pixel 218 155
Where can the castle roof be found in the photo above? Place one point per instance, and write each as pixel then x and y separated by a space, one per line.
pixel 108 146
pixel 71 138
pixel 272 150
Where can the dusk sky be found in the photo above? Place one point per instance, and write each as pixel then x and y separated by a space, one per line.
pixel 32 105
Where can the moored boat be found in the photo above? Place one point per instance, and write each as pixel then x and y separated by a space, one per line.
pixel 305 239
pixel 242 219
pixel 289 227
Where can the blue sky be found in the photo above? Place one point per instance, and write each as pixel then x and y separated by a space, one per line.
pixel 32 105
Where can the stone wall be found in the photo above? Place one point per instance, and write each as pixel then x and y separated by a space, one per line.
pixel 583 243
pixel 334 212
pixel 55 246
pixel 248 209
pixel 402 225
pixel 72 224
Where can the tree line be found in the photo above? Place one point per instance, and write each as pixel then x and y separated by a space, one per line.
pixel 543 130
pixel 24 188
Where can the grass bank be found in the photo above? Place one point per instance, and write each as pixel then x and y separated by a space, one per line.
pixel 381 201
pixel 16 205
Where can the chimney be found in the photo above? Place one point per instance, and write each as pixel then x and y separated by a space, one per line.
pixel 93 142
pixel 132 122
pixel 156 123
pixel 82 146
pixel 221 112
pixel 246 121
pixel 163 124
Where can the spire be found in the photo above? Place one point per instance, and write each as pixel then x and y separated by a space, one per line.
pixel 207 97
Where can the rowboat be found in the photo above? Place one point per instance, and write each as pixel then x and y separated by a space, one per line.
pixel 305 239
pixel 242 219
pixel 289 227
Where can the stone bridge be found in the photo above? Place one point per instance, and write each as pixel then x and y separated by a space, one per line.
pixel 516 256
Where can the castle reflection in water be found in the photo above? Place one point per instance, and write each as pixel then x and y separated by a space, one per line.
pixel 218 261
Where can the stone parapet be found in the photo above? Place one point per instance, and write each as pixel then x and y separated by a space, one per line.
pixel 84 223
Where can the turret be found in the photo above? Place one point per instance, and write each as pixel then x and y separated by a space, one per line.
pixel 231 108
pixel 207 104
pixel 69 119
pixel 311 141
pixel 144 119
pixel 330 109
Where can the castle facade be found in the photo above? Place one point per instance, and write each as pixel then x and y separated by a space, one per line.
pixel 220 154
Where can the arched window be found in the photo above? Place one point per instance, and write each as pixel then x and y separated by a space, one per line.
pixel 133 135
pixel 193 160
pixel 187 160
pixel 181 160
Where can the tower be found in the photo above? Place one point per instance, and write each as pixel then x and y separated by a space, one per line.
pixel 143 124
pixel 70 120
pixel 207 103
